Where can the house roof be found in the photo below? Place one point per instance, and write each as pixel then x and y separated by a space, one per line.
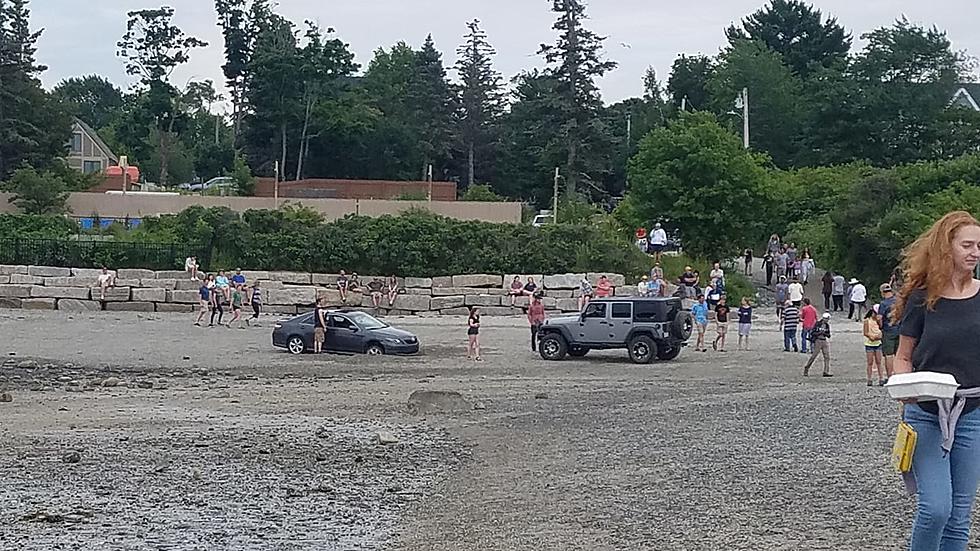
pixel 97 139
pixel 967 96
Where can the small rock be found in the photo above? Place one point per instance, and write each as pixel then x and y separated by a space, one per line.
pixel 27 364
pixel 480 406
pixel 62 408
pixel 386 437
pixel 72 457
pixel 6 397
pixel 64 379
pixel 541 396
pixel 111 381
pixel 145 384
pixel 187 358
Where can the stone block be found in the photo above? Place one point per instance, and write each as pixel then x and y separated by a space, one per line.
pixel 455 312
pixel 332 296
pixel 149 295
pixel 126 283
pixel 179 284
pixel 568 305
pixel 4 279
pixel 292 278
pixel 445 303
pixel 74 281
pixel 478 280
pixel 424 291
pixel 173 274
pixel 182 297
pixel 130 307
pixel 521 301
pixel 292 295
pixel 115 294
pixel 75 305
pixel 22 279
pixel 451 291
pixel 325 280
pixel 88 272
pixel 418 283
pixel 562 281
pixel 15 291
pixel 270 284
pixel 135 273
pixel 161 283
pixel 482 300
pixel 561 293
pixel 38 304
pixel 498 311
pixel 48 271
pixel 7 269
pixel 550 303
pixel 175 308
pixel 10 302
pixel 255 275
pixel 442 281
pixel 617 280
pixel 414 303
pixel 80 293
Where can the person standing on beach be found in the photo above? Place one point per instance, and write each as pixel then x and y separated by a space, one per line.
pixel 256 301
pixel 789 322
pixel 744 323
pixel 700 313
pixel 535 318
pixel 473 334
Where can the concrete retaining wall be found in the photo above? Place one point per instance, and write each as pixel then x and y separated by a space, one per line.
pixel 74 289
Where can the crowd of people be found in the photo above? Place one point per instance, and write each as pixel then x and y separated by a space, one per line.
pixel 218 291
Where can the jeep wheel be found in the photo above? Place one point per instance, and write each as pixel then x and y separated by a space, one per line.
pixel 667 352
pixel 642 349
pixel 578 351
pixel 552 347
pixel 682 326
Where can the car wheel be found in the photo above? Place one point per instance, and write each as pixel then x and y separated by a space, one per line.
pixel 374 349
pixel 578 351
pixel 666 352
pixel 296 345
pixel 552 347
pixel 642 349
pixel 682 326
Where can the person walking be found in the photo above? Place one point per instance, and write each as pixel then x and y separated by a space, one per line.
pixel 828 290
pixel 767 262
pixel 535 318
pixel 808 319
pixel 807 267
pixel 700 313
pixel 744 323
pixel 796 292
pixel 204 292
pixel 721 324
pixel 859 299
pixel 872 346
pixel 217 300
pixel 791 257
pixel 782 264
pixel 939 309
pixel 237 299
pixel 789 322
pixel 256 301
pixel 837 292
pixel 774 247
pixel 820 342
pixel 782 295
pixel 889 327
pixel 319 325
pixel 473 335
pixel 748 257
pixel 658 241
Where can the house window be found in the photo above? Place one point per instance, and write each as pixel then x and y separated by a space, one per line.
pixel 76 143
pixel 91 167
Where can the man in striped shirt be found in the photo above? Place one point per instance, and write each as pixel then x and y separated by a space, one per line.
pixel 790 321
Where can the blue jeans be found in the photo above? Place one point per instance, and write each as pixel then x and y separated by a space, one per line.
pixel 789 339
pixel 947 483
pixel 804 339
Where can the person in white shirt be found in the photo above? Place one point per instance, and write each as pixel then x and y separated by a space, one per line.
pixel 190 266
pixel 717 274
pixel 658 241
pixel 643 287
pixel 796 292
pixel 106 280
pixel 859 300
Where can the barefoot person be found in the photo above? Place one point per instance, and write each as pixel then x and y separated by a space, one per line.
pixel 939 309
pixel 204 292
pixel 106 280
pixel 585 293
pixel 872 346
pixel 319 325
pixel 473 334
pixel 392 286
pixel 744 323
pixel 721 323
pixel 237 299
pixel 516 290
pixel 190 266
pixel 256 301
pixel 700 313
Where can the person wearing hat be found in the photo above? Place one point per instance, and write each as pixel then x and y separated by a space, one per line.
pixel 820 340
pixel 688 281
pixel 859 299
pixel 889 327
pixel 643 287
pixel 658 241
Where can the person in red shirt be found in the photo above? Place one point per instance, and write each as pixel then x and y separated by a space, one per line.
pixel 535 317
pixel 808 317
pixel 603 288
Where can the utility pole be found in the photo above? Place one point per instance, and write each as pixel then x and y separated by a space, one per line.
pixel 557 177
pixel 629 145
pixel 745 117
pixel 275 189
pixel 428 178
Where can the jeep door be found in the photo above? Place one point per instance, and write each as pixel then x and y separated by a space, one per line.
pixel 620 321
pixel 593 325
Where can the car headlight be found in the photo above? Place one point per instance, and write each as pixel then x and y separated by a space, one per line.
pixel 278 326
pixel 393 341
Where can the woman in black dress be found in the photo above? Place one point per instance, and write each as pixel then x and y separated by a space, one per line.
pixel 473 333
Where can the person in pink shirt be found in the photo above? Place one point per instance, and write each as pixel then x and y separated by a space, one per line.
pixel 808 317
pixel 535 317
pixel 603 288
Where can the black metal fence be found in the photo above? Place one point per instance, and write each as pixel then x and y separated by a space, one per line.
pixel 95 253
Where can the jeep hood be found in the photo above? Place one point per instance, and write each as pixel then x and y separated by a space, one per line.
pixel 562 320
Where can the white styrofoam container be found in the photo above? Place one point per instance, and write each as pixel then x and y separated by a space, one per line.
pixel 922 385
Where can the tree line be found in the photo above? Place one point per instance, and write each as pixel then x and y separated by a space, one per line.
pixel 300 100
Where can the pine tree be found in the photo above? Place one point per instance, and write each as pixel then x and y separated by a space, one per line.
pixel 576 61
pixel 431 97
pixel 240 25
pixel 481 94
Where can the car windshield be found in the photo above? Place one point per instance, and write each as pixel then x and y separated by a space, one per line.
pixel 366 321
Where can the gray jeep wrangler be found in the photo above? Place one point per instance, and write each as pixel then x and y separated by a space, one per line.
pixel 648 328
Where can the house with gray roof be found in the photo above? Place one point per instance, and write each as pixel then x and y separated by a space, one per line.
pixel 967 96
pixel 87 152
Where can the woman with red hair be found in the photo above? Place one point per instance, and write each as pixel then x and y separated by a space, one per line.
pixel 939 309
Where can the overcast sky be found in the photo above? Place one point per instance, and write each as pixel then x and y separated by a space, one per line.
pixel 80 37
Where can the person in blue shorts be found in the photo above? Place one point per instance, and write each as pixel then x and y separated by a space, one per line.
pixel 700 313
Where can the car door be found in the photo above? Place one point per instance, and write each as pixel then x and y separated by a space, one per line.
pixel 620 321
pixel 593 325
pixel 342 334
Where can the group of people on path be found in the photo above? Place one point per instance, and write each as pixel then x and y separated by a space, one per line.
pixel 217 291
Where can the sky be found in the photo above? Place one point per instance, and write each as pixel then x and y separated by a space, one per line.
pixel 80 37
